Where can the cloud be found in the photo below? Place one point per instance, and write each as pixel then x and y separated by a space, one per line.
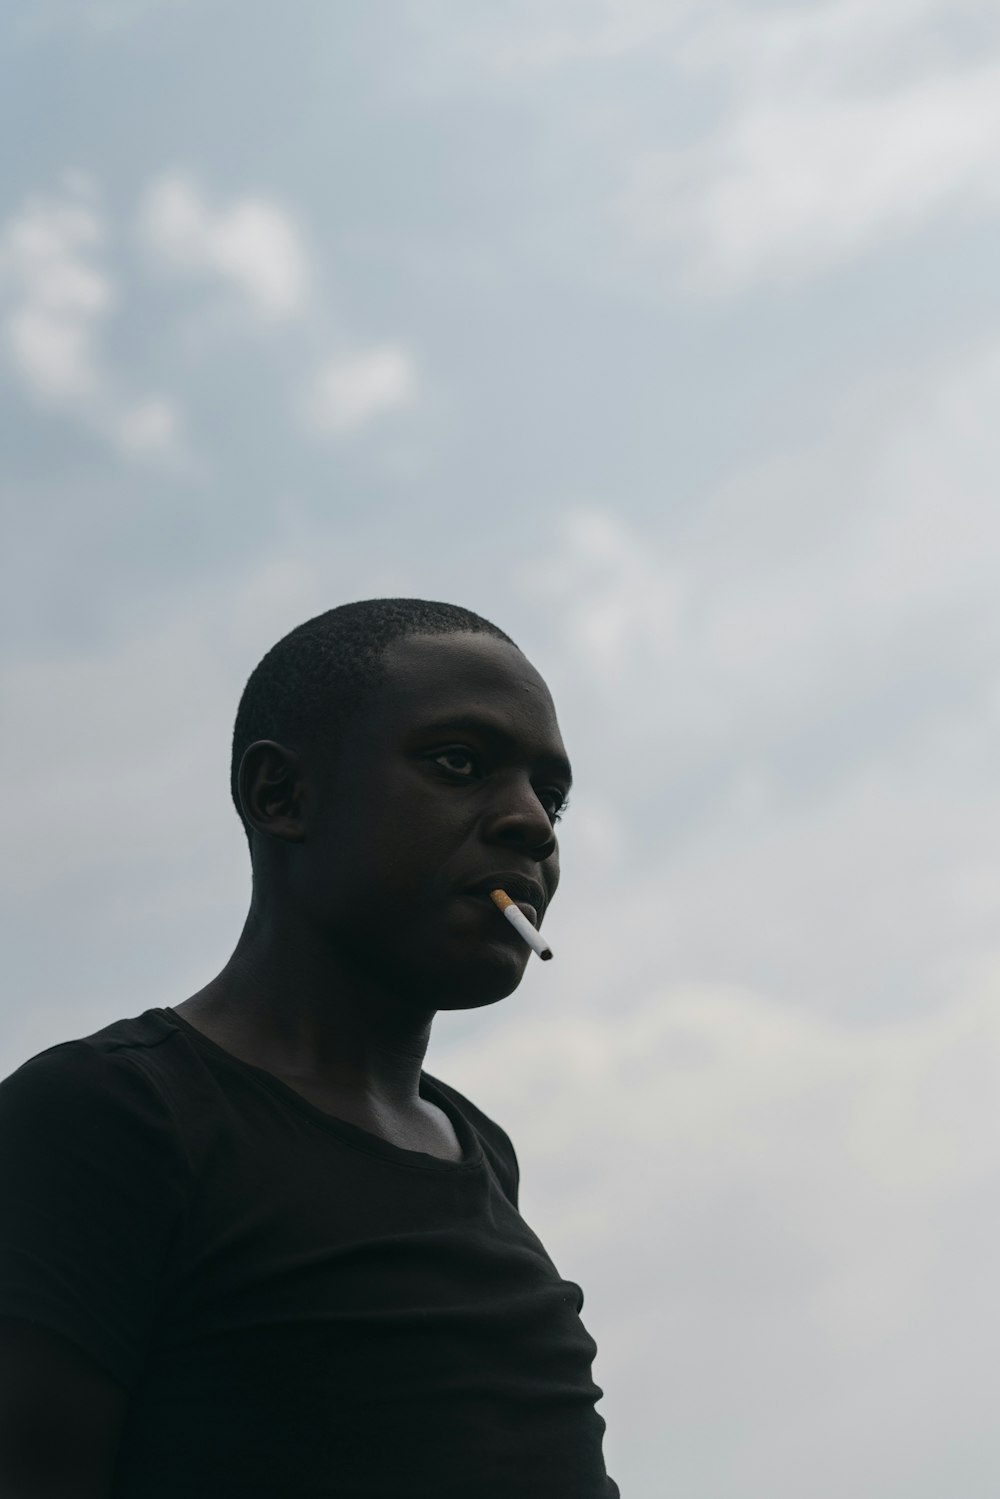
pixel 792 184
pixel 618 598
pixel 252 244
pixel 50 330
pixel 57 300
pixel 553 35
pixel 59 295
pixel 148 709
pixel 352 390
pixel 149 427
pixel 763 142
pixel 537 36
pixel 830 553
pixel 256 248
pixel 791 704
pixel 753 1197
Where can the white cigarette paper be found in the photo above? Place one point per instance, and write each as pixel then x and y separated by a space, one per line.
pixel 520 923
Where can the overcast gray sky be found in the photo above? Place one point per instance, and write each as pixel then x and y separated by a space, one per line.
pixel 667 336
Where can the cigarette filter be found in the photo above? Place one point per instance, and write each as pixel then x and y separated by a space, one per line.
pixel 520 923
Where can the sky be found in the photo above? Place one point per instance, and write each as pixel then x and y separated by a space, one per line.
pixel 667 336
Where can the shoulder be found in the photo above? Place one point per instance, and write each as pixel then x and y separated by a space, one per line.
pixel 105 1057
pixel 92 1086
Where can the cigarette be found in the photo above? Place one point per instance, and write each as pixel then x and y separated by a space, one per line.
pixel 520 923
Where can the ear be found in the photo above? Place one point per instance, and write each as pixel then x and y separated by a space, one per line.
pixel 270 785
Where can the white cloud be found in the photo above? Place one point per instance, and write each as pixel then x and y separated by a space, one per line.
pixel 753 1197
pixel 822 132
pixel 251 243
pixel 352 390
pixel 789 702
pixel 792 183
pixel 58 297
pixel 534 36
pixel 827 556
pixel 148 428
pixel 552 35
pixel 53 352
pixel 57 300
pixel 621 600
pixel 148 709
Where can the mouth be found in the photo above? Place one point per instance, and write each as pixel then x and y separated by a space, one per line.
pixel 526 893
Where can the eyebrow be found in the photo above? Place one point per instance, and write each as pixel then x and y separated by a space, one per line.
pixel 497 730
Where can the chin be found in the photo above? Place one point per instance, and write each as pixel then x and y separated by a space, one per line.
pixel 451 976
pixel 474 983
pixel 468 1001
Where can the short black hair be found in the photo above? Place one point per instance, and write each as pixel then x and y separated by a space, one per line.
pixel 305 689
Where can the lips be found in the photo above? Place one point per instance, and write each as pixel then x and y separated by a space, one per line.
pixel 523 890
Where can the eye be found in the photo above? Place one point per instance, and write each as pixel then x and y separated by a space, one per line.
pixel 554 802
pixel 461 762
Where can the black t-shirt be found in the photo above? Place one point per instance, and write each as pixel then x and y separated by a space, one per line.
pixel 298 1308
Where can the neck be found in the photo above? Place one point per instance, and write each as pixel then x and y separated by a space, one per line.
pixel 287 1003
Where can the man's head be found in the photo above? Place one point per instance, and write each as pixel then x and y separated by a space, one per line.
pixel 305 690
pixel 388 757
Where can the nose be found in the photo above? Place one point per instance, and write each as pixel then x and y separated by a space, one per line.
pixel 518 820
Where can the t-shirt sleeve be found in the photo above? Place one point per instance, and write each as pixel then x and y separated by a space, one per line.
pixel 93 1184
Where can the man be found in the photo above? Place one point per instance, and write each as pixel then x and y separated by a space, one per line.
pixel 248 1247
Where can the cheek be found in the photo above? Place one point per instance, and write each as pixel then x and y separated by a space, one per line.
pixel 391 860
pixel 394 840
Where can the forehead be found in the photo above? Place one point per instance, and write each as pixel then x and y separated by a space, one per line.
pixel 431 679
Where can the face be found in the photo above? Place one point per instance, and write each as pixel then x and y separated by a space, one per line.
pixel 449 783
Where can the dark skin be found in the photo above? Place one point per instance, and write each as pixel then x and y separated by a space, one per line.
pixel 361 925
